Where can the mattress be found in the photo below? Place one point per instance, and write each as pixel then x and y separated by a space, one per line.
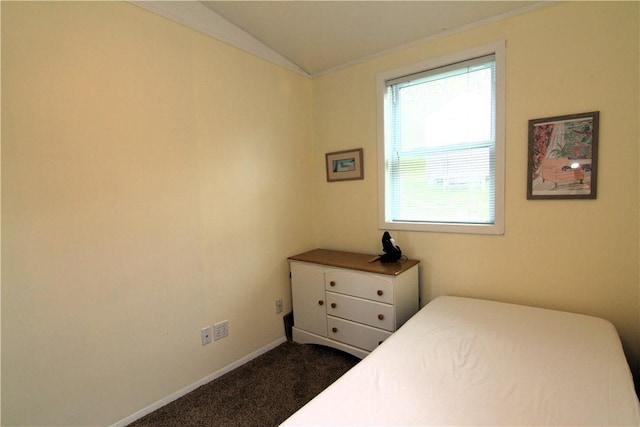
pixel 462 361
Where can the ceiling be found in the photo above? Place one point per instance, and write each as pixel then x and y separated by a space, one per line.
pixel 314 37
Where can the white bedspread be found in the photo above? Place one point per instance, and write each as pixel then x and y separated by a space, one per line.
pixel 462 361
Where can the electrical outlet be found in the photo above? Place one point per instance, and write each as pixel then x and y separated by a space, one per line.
pixel 220 330
pixel 205 334
pixel 279 306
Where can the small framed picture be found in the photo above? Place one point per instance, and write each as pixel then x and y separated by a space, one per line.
pixel 563 157
pixel 344 165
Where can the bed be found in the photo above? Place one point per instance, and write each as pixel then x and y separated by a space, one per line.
pixel 463 361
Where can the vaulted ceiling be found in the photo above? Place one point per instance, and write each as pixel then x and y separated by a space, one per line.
pixel 314 37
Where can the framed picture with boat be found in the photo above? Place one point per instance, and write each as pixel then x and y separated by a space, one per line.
pixel 344 165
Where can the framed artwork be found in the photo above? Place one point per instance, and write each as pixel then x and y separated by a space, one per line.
pixel 344 165
pixel 563 157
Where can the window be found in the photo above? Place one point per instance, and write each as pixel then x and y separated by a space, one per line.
pixel 441 144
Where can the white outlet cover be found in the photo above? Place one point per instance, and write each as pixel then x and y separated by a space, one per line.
pixel 220 330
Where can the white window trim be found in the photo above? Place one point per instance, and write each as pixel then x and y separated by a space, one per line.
pixel 498 49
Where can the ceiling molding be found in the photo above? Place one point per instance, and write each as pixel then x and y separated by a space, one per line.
pixel 195 15
pixel 446 33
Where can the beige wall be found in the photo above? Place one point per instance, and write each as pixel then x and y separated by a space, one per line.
pixel 154 181
pixel 573 255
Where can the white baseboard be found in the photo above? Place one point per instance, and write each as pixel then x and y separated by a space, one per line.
pixel 178 394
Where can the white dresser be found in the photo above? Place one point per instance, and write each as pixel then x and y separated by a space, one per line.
pixel 342 300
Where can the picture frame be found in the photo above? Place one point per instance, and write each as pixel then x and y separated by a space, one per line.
pixel 563 157
pixel 344 165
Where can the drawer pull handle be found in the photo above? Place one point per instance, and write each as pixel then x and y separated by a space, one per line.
pixel 333 305
pixel 334 330
pixel 380 292
pixel 381 316
pixel 332 283
pixel 320 302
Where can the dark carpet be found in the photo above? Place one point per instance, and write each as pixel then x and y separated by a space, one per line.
pixel 263 392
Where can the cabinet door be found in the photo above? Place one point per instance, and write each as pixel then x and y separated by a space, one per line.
pixel 308 294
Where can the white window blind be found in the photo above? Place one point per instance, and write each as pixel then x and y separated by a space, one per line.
pixel 440 145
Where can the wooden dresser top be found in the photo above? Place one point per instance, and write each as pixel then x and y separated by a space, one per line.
pixel 354 261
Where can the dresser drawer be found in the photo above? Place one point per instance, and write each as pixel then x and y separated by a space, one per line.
pixel 355 334
pixel 360 310
pixel 363 285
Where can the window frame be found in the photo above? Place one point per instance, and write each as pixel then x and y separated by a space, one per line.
pixel 497 228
